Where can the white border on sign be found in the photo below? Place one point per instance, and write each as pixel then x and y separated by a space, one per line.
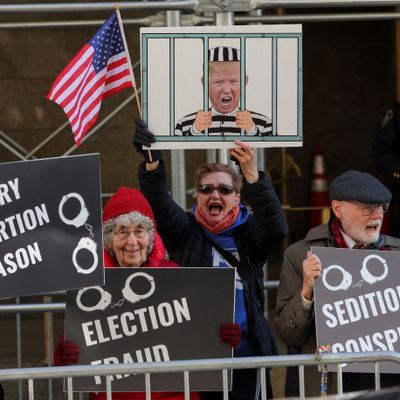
pixel 173 67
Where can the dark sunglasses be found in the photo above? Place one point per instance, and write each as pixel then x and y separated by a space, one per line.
pixel 222 189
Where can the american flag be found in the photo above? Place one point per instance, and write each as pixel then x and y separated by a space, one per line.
pixel 102 67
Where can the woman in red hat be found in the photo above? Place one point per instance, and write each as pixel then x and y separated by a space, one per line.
pixel 129 232
pixel 130 240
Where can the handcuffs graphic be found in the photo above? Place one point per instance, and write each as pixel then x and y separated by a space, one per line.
pixel 103 303
pixel 367 276
pixel 345 282
pixel 86 243
pixel 347 278
pixel 128 293
pixel 83 215
pixel 133 297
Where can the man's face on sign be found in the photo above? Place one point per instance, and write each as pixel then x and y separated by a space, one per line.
pixel 224 85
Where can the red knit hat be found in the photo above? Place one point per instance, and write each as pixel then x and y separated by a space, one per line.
pixel 126 200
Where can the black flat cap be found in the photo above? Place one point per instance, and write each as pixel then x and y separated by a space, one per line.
pixel 359 186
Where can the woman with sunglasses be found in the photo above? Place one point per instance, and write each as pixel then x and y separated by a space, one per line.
pixel 221 232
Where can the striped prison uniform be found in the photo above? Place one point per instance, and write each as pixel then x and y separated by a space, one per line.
pixel 224 125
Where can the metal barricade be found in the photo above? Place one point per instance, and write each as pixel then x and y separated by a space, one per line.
pixel 186 367
pixel 31 374
pixel 46 309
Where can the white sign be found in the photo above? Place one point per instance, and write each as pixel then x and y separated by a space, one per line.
pixel 190 100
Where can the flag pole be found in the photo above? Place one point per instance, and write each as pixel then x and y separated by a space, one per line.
pixel 128 57
pixel 130 67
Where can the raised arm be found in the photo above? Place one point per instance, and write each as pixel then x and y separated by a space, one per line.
pixel 171 219
pixel 267 228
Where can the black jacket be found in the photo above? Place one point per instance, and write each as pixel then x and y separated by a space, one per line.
pixel 386 150
pixel 255 239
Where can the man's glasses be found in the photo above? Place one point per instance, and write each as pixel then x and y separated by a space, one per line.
pixel 222 189
pixel 368 209
pixel 123 233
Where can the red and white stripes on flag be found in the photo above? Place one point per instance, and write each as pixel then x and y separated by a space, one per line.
pixel 101 68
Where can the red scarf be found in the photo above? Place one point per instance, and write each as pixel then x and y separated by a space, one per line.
pixel 337 234
pixel 215 227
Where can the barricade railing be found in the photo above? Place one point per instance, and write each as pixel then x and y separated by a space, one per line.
pixel 186 367
pixel 278 361
pixel 60 306
pixel 47 308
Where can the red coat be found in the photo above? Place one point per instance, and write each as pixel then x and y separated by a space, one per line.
pixel 142 396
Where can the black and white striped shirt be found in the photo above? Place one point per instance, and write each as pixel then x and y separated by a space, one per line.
pixel 224 125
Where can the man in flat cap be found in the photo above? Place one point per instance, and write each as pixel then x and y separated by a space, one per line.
pixel 359 202
pixel 224 117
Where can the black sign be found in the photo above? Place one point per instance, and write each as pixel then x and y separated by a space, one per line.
pixel 50 225
pixel 152 314
pixel 357 303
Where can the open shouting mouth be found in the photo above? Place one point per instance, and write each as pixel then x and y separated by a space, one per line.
pixel 215 208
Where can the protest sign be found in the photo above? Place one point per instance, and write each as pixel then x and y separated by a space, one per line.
pixel 199 85
pixel 357 303
pixel 152 314
pixel 50 228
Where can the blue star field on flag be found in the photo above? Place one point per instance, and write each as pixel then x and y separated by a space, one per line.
pixel 107 42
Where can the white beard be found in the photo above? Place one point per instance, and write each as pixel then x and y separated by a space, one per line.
pixel 359 232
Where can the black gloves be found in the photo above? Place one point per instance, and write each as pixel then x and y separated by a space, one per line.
pixel 234 160
pixel 143 137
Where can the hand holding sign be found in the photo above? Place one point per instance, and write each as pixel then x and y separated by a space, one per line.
pixel 144 138
pixel 66 353
pixel 311 271
pixel 230 333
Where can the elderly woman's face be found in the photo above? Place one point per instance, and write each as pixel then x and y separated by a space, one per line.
pixel 130 245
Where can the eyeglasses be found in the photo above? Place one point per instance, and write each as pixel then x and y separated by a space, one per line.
pixel 222 189
pixel 123 233
pixel 368 209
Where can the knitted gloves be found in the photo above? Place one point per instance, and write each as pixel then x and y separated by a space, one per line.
pixel 66 353
pixel 230 333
